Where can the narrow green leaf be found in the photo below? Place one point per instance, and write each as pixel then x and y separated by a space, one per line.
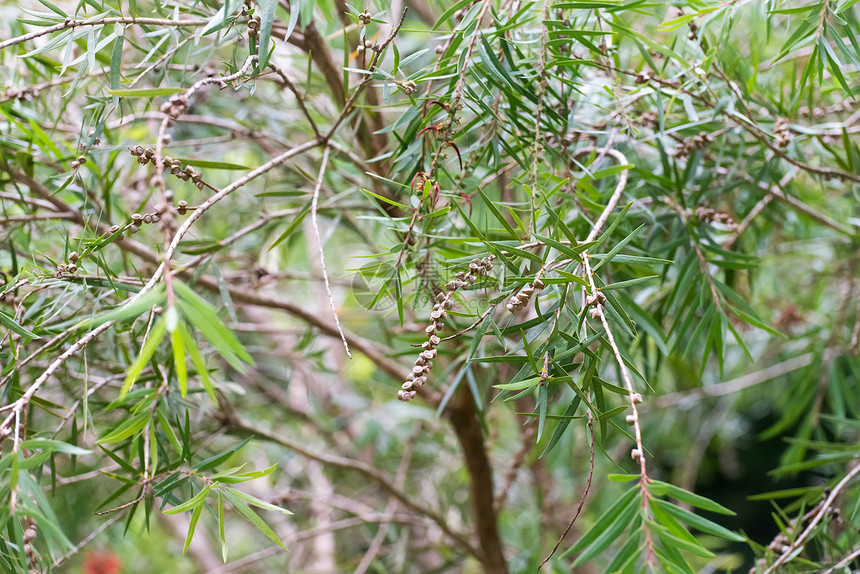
pixel 197 361
pixel 609 536
pixel 203 316
pixel 207 164
pixel 659 488
pixel 50 445
pixel 176 340
pixel 610 517
pixel 242 508
pixel 519 385
pixel 618 247
pixel 253 501
pixel 116 62
pixel 156 335
pixel 131 310
pixel 193 502
pixel 221 526
pixel 10 323
pixel 127 428
pixel 497 214
pixel 192 527
pixel 697 521
pixel 294 224
pixel 145 92
pixel 267 18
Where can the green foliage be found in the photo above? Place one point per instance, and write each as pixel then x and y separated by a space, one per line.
pixel 612 245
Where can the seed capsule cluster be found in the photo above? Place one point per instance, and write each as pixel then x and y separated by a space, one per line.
pixel 697 142
pixel 636 454
pixel 408 87
pixel 175 106
pixel 29 538
pixel 253 26
pixel 146 155
pixel 593 300
pixel 844 106
pixel 70 267
pixel 705 213
pixel 137 220
pixel 418 376
pixel 23 94
pixel 364 18
pixel 367 45
pixel 78 162
pixel 524 294
pixel 782 135
pixel 643 77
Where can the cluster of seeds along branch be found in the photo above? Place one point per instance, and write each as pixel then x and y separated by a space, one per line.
pixel 710 215
pixel 136 221
pixel 70 267
pixel 524 294
pixel 146 155
pixel 365 18
pixel 820 112
pixel 444 301
pixel 253 24
pixel 175 106
pixel 697 142
pixel 29 538
pixel 781 133
pixel 24 94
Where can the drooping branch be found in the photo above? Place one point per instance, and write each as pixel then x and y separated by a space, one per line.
pixel 72 23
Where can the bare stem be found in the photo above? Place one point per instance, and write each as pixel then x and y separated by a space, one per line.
pixel 315 225
pixel 70 23
pixel 825 507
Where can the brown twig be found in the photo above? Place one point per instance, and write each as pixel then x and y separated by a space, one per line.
pixel 528 435
pixel 825 507
pixel 70 23
pixel 584 492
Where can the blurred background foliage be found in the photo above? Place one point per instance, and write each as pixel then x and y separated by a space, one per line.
pixel 637 220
